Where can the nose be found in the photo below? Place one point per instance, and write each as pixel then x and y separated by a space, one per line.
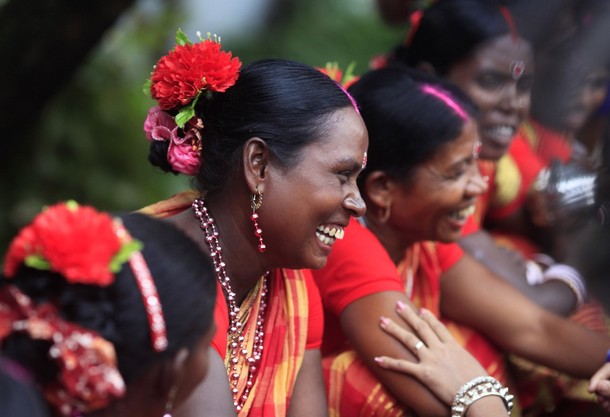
pixel 513 100
pixel 476 185
pixel 354 203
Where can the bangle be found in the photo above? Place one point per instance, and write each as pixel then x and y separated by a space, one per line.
pixel 533 273
pixel 569 276
pixel 477 388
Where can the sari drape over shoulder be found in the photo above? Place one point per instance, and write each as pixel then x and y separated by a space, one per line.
pixel 288 328
pixel 359 266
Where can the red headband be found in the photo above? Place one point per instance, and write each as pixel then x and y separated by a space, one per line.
pixel 509 20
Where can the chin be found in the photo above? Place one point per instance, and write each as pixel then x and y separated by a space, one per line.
pixel 450 237
pixel 318 263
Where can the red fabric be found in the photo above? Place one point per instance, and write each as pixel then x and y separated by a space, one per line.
pixel 315 328
pixel 547 143
pixel 359 266
pixel 528 165
pixel 293 323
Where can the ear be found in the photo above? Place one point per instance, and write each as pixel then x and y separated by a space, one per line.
pixel 378 188
pixel 426 68
pixel 255 158
pixel 170 372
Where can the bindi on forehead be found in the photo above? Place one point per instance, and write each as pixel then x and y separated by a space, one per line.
pixel 516 68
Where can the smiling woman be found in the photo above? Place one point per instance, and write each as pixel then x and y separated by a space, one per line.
pixel 275 148
pixel 419 185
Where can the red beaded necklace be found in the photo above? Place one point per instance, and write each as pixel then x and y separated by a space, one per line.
pixel 237 352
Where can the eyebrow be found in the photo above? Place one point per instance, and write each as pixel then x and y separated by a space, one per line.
pixel 351 162
pixel 494 72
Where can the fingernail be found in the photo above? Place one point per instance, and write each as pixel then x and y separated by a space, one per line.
pixel 423 311
pixel 378 359
pixel 384 321
pixel 400 305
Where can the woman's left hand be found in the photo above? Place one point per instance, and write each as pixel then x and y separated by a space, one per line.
pixel 444 366
pixel 600 386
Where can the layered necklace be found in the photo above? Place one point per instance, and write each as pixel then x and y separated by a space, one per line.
pixel 238 354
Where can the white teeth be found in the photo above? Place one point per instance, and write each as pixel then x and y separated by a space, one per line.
pixel 325 239
pixel 464 213
pixel 501 131
pixel 328 234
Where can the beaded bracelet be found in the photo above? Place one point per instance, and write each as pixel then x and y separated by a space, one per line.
pixel 477 388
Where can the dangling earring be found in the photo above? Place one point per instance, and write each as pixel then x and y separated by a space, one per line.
pixel 255 203
pixel 169 404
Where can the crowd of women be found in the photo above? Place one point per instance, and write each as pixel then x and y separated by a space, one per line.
pixel 410 244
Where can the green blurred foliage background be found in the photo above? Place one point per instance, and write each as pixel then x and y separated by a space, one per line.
pixel 89 143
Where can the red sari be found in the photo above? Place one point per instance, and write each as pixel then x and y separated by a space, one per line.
pixel 293 323
pixel 533 149
pixel 359 266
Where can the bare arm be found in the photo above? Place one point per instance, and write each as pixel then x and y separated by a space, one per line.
pixel 554 295
pixel 471 294
pixel 212 397
pixel 360 324
pixel 309 397
pixel 443 365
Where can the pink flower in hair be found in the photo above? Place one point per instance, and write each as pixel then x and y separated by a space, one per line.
pixel 158 124
pixel 184 153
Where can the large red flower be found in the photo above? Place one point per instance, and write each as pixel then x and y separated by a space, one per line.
pixel 189 69
pixel 77 241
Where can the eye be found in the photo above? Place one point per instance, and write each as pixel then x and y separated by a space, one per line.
pixel 525 84
pixel 455 174
pixel 345 175
pixel 490 81
pixel 458 172
pixel 597 81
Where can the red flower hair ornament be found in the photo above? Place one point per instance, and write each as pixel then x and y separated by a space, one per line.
pixel 58 239
pixel 344 78
pixel 87 247
pixel 177 83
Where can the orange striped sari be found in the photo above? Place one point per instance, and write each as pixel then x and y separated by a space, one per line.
pixel 353 391
pixel 286 327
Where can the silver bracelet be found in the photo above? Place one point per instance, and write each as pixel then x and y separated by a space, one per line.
pixel 569 276
pixel 477 388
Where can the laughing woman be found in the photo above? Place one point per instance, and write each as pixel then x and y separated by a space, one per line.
pixel 274 149
pixel 420 184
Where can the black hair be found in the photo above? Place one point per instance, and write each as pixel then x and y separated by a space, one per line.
pixel 285 103
pixel 450 30
pixel 185 284
pixel 406 125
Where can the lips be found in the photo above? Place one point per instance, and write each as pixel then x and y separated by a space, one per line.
pixel 463 214
pixel 328 234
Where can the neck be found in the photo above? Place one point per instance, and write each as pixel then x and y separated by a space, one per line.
pixel 245 265
pixel 391 240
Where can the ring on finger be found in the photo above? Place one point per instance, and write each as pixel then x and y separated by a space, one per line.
pixel 418 345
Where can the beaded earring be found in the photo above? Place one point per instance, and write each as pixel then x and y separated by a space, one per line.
pixel 255 203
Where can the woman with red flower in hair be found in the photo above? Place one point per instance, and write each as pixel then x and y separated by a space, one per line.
pixel 102 316
pixel 274 149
